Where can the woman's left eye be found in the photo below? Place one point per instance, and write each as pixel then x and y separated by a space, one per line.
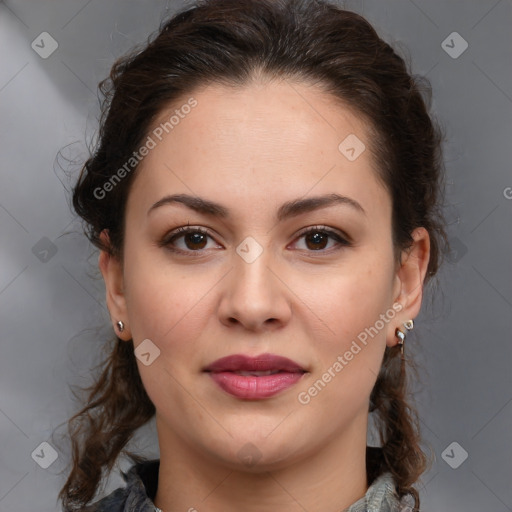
pixel 195 239
pixel 318 235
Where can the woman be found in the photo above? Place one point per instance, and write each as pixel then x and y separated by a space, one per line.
pixel 265 195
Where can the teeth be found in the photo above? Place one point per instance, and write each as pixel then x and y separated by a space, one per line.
pixel 257 373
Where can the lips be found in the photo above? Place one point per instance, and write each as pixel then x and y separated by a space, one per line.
pixel 264 364
pixel 254 378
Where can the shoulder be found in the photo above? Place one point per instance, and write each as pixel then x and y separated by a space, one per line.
pixel 114 502
pixel 381 496
pixel 137 495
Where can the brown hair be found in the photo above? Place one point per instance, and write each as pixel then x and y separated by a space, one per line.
pixel 232 42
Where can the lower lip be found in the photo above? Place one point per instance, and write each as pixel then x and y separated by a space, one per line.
pixel 251 387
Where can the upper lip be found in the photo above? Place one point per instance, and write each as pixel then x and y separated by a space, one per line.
pixel 263 362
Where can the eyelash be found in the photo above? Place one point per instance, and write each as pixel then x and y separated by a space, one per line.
pixel 178 233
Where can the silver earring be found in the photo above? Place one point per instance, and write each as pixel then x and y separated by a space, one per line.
pixel 120 326
pixel 409 325
pixel 401 339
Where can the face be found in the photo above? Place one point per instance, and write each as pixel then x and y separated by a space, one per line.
pixel 317 285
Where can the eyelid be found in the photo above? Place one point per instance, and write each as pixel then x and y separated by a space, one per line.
pixel 327 229
pixel 183 230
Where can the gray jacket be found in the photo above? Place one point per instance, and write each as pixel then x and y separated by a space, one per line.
pixel 142 480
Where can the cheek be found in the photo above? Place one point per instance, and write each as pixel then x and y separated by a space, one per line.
pixel 165 304
pixel 350 302
pixel 356 306
pixel 166 308
pixel 349 352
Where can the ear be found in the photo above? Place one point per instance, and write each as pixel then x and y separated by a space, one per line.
pixel 409 278
pixel 112 272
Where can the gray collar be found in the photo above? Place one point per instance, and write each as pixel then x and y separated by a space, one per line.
pixel 142 480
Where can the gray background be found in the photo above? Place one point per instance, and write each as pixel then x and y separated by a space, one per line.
pixel 51 302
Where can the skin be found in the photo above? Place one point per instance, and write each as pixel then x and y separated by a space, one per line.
pixel 252 149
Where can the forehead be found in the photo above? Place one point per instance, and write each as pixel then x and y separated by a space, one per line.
pixel 259 143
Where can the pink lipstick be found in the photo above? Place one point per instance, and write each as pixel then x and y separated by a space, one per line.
pixel 255 378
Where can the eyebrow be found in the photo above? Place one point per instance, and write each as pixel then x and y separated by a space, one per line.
pixel 286 210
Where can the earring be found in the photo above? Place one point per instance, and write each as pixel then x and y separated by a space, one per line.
pixel 401 338
pixel 409 325
pixel 120 326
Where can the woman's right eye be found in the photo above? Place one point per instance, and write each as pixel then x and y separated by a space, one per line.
pixel 194 239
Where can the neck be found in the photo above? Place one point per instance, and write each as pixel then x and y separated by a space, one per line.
pixel 331 478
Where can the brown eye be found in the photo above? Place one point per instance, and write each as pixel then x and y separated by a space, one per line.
pixel 195 239
pixel 316 239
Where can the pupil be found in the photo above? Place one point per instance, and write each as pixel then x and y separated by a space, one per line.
pixel 197 240
pixel 317 238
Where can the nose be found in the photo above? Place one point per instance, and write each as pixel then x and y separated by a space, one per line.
pixel 255 295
